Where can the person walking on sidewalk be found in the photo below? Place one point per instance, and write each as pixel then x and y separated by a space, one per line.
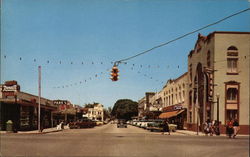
pixel 236 127
pixel 229 126
pixel 166 127
pixel 206 127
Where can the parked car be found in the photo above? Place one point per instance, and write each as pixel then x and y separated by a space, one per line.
pixel 144 124
pixel 158 126
pixel 121 123
pixel 83 123
pixel 155 126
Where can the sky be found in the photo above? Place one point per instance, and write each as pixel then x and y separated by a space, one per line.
pixel 76 43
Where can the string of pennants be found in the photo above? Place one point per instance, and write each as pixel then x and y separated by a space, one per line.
pixel 93 63
pixel 133 68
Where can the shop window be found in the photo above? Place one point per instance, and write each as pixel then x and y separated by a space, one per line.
pixel 24 117
pixel 232 94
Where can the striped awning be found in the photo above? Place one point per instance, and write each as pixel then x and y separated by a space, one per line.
pixel 170 114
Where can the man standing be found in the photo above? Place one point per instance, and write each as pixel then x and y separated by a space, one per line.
pixel 236 127
pixel 166 127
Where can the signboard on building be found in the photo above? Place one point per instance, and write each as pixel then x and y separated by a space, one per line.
pixel 60 102
pixel 172 108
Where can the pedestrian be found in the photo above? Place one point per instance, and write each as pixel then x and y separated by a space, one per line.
pixel 211 127
pixel 230 130
pixel 206 127
pixel 166 127
pixel 236 127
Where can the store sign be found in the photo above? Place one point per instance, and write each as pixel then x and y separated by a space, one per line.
pixel 13 88
pixel 177 107
pixel 6 94
pixel 172 108
pixel 60 102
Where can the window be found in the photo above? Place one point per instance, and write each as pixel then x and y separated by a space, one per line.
pixel 232 94
pixel 172 99
pixel 190 117
pixel 208 59
pixel 180 99
pixel 232 65
pixel 232 114
pixel 232 100
pixel 190 73
pixel 232 60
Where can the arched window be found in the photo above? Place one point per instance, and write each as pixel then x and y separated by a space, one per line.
pixel 232 48
pixel 232 60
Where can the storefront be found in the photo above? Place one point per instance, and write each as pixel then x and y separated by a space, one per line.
pixel 22 108
pixel 65 112
pixel 175 114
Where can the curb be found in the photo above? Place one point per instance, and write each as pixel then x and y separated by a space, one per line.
pixel 32 132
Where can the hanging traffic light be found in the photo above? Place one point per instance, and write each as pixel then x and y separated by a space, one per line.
pixel 114 73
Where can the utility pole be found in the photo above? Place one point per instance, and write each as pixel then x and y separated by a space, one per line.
pixel 39 99
pixel 218 121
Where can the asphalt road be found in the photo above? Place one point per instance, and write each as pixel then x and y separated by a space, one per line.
pixel 109 141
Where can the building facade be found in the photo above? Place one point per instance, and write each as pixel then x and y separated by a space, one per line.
pixel 66 112
pixel 144 105
pixel 96 112
pixel 22 108
pixel 218 80
pixel 141 107
pixel 175 101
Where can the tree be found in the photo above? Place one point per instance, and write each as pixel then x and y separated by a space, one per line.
pixel 125 109
pixel 89 105
pixel 106 113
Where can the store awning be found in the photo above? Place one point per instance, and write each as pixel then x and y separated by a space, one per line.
pixel 170 114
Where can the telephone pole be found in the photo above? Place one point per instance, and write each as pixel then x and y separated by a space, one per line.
pixel 39 99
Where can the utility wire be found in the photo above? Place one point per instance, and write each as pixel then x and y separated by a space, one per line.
pixel 180 37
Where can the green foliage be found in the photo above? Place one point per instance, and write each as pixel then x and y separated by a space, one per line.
pixel 89 105
pixel 125 109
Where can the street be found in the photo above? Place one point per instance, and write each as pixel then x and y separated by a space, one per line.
pixel 109 141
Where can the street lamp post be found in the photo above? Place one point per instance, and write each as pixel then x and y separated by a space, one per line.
pixel 218 123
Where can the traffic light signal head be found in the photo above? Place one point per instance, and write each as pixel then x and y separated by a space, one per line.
pixel 114 73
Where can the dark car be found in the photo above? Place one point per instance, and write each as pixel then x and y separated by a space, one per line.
pixel 83 123
pixel 121 123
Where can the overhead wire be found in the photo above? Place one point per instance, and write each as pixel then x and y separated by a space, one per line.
pixel 180 37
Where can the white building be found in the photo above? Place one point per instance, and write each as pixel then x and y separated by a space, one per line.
pixel 96 113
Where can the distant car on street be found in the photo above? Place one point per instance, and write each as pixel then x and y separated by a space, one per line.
pixel 83 123
pixel 121 123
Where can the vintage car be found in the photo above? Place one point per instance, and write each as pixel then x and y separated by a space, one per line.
pixel 158 126
pixel 121 123
pixel 155 126
pixel 83 123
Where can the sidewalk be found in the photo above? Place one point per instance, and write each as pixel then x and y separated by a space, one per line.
pixel 193 133
pixel 45 131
